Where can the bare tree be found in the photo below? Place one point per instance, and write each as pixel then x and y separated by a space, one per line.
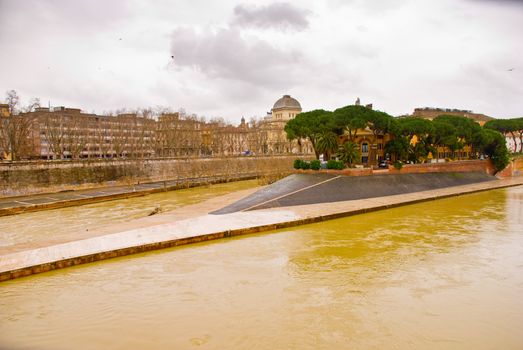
pixel 54 131
pixel 76 137
pixel 120 136
pixel 15 129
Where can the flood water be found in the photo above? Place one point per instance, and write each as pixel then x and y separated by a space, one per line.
pixel 49 225
pixel 446 274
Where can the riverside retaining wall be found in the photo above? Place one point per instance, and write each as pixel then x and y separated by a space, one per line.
pixel 49 176
pixel 515 168
pixel 463 166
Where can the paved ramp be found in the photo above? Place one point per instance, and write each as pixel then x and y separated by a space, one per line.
pixel 177 228
pixel 300 189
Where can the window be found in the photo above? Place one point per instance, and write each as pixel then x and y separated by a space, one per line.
pixel 365 147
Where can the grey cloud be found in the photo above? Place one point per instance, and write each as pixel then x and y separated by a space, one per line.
pixel 279 15
pixel 501 2
pixel 373 7
pixel 46 20
pixel 227 55
pixel 75 14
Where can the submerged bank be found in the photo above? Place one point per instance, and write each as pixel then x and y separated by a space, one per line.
pixel 174 228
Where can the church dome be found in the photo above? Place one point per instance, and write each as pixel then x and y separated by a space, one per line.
pixel 287 102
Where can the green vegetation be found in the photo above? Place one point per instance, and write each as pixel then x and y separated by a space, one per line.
pixel 335 164
pixel 412 139
pixel 512 127
pixel 323 128
pixel 310 125
pixel 301 164
pixel 349 153
pixel 315 164
pixel 494 145
pixel 403 131
pixel 350 119
pixel 327 143
pixel 298 163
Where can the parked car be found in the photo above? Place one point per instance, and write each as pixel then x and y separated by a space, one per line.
pixel 383 164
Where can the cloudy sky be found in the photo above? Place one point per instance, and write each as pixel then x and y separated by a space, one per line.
pixel 234 58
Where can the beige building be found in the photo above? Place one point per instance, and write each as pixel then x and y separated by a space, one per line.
pixel 177 136
pixel 431 113
pixel 272 129
pixel 68 133
pixel 4 110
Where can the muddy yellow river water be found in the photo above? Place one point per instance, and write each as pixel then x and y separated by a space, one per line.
pixel 446 274
pixel 56 224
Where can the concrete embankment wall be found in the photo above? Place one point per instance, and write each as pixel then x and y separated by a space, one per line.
pixel 463 166
pixel 49 176
pixel 514 169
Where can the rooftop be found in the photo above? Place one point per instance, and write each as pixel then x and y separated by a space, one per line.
pixel 287 102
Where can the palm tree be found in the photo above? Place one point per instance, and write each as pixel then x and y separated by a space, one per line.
pixel 326 143
pixel 349 153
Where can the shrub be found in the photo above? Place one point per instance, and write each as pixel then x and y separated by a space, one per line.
pixel 494 145
pixel 500 158
pixel 305 165
pixel 398 165
pixel 315 164
pixel 335 164
pixel 298 164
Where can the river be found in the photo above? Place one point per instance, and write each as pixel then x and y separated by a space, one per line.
pixel 57 225
pixel 446 274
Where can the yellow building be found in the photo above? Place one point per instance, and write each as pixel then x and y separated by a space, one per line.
pixel 370 145
pixel 273 129
pixel 443 153
pixel 431 113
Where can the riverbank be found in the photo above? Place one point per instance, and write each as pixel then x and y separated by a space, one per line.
pixel 193 224
pixel 45 201
pixel 37 177
pixel 267 169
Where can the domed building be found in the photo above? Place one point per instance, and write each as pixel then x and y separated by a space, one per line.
pixel 285 108
pixel 274 137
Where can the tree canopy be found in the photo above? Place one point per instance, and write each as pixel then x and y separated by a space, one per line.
pixel 412 138
pixel 512 127
pixel 310 125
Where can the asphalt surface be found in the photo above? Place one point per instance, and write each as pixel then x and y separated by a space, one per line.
pixel 300 189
